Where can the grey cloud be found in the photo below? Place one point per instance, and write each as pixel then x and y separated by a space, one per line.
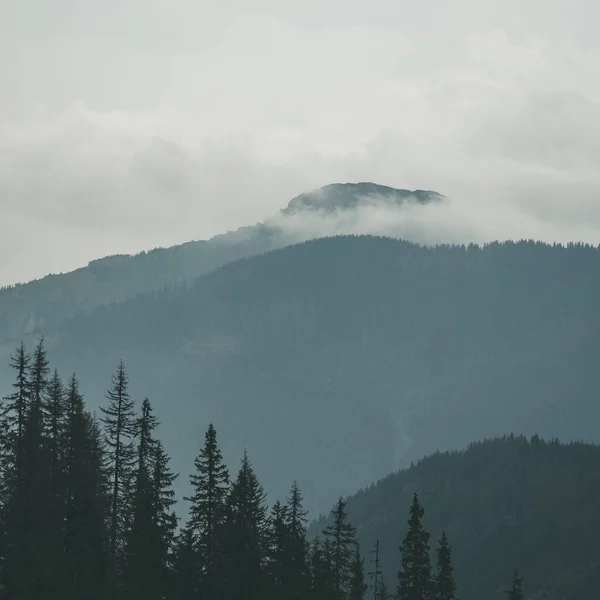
pixel 136 124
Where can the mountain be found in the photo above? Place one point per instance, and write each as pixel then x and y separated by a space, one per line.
pixel 338 197
pixel 505 503
pixel 343 359
pixel 49 301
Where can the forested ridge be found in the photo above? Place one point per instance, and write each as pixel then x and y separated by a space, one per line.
pixel 374 351
pixel 502 502
pixel 87 512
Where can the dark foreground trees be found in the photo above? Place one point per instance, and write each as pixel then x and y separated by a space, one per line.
pixel 86 509
pixel 87 513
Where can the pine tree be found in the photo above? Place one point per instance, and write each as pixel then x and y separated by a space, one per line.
pixel 445 587
pixel 164 500
pixel 146 553
pixel 357 587
pixel 296 570
pixel 210 485
pixel 56 412
pixel 376 575
pixel 120 428
pixel 246 536
pixel 33 555
pixel 278 549
pixel 414 578
pixel 184 585
pixel 288 550
pixel 12 421
pixel 516 589
pixel 39 376
pixel 323 581
pixel 342 536
pixel 85 537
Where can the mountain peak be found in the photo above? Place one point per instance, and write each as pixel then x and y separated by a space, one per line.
pixel 342 196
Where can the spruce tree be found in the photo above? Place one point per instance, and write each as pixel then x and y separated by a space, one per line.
pixel 376 575
pixel 357 586
pixel 414 577
pixel 120 428
pixel 210 485
pixel 288 562
pixel 184 580
pixel 323 580
pixel 445 587
pixel 296 574
pixel 56 418
pixel 12 421
pixel 516 589
pixel 33 555
pixel 85 537
pixel 342 537
pixel 246 536
pixel 278 550
pixel 39 376
pixel 146 553
pixel 164 500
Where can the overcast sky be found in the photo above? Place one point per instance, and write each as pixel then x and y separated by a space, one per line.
pixel 128 124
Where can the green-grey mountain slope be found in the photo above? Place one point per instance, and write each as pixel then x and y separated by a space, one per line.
pixel 504 504
pixel 339 360
pixel 48 301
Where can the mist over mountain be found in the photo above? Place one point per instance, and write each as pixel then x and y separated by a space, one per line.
pixel 334 209
pixel 342 359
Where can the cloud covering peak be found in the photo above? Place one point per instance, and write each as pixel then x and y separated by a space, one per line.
pixel 139 123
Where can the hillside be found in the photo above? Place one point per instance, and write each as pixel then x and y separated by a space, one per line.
pixel 504 503
pixel 47 302
pixel 343 359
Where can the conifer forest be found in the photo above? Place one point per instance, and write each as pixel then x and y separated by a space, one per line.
pixel 88 512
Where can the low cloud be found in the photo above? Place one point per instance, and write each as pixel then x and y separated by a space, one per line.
pixel 137 140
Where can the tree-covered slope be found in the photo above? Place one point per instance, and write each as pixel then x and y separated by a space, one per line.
pixel 114 279
pixel 342 359
pixel 504 504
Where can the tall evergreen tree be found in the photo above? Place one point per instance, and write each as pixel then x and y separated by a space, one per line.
pixel 288 561
pixel 246 536
pixel 56 411
pixel 277 550
pixel 184 580
pixel 12 419
pixel 357 585
pixel 12 424
pixel 297 571
pixel 414 577
pixel 444 584
pixel 323 580
pixel 39 376
pixel 85 536
pixel 164 500
pixel 33 557
pixel 516 589
pixel 146 554
pixel 120 428
pixel 342 537
pixel 376 575
pixel 210 485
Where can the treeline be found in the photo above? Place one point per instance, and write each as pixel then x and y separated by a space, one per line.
pixel 86 513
